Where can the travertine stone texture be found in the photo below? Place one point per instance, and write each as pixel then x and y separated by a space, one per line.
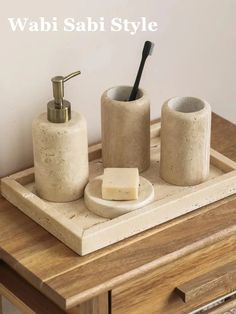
pixel 60 158
pixel 125 129
pixel 111 209
pixel 185 141
pixel 84 231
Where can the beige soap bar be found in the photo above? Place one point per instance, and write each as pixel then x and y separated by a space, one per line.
pixel 120 184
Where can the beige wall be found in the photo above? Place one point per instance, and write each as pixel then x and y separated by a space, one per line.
pixel 194 55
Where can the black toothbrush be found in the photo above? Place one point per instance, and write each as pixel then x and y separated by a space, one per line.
pixel 147 51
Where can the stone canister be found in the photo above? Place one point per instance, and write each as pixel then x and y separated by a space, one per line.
pixel 185 141
pixel 60 148
pixel 60 158
pixel 125 129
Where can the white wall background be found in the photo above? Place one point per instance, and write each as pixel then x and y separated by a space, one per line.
pixel 194 55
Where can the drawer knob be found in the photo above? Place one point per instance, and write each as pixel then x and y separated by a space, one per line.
pixel 217 282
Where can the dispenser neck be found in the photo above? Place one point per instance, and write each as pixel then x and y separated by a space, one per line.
pixel 59 110
pixel 58 90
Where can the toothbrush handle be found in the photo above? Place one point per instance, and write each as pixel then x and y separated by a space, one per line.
pixel 134 92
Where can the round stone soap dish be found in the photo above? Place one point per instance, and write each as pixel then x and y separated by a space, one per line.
pixel 111 209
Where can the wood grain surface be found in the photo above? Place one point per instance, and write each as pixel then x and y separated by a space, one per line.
pixel 69 279
pixel 97 305
pixel 222 279
pixel 155 292
pixel 20 293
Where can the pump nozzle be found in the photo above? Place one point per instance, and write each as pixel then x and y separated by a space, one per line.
pixel 59 110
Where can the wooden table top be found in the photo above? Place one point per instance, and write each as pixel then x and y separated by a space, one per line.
pixel 69 279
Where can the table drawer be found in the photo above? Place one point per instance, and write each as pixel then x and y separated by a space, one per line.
pixel 183 285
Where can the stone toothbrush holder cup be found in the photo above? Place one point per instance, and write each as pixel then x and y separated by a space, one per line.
pixel 185 141
pixel 125 129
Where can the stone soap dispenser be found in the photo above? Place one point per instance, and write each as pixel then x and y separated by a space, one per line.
pixel 60 147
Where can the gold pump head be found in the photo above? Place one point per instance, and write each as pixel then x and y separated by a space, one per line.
pixel 59 109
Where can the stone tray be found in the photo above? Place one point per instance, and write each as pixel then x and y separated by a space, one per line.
pixel 85 232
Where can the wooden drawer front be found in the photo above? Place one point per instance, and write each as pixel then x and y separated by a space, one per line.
pixel 156 292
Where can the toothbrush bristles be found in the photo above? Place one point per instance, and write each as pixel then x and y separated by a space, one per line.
pixel 151 49
pixel 148 48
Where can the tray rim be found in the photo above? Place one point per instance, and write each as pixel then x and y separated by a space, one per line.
pixel 14 185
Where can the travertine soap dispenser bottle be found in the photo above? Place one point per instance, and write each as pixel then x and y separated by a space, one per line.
pixel 60 148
